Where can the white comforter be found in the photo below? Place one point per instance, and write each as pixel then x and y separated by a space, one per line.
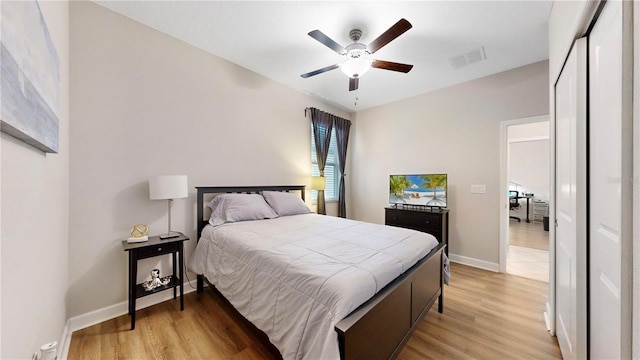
pixel 295 277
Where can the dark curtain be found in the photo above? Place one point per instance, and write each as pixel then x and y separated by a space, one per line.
pixel 342 139
pixel 322 124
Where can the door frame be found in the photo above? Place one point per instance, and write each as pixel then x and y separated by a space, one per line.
pixel 635 286
pixel 504 182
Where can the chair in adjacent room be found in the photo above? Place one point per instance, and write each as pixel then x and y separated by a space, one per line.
pixel 514 204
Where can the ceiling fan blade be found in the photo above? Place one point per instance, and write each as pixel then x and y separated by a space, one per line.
pixel 319 71
pixel 327 41
pixel 353 83
pixel 393 66
pixel 393 32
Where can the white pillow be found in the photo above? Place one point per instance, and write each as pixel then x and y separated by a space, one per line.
pixel 285 203
pixel 226 208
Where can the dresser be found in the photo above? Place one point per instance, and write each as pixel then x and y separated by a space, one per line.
pixel 540 209
pixel 434 222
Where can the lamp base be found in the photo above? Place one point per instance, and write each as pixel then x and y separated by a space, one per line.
pixel 169 235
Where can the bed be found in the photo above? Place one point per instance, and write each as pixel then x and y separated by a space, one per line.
pixel 261 281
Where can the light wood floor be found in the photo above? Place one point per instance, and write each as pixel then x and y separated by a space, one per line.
pixel 528 253
pixel 531 235
pixel 487 316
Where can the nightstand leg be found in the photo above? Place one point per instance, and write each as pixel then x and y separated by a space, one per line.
pixel 181 255
pixel 173 257
pixel 130 282
pixel 133 270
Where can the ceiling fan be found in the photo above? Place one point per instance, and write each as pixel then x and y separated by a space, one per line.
pixel 357 55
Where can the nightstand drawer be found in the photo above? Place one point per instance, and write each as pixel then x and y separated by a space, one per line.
pixel 159 249
pixel 418 220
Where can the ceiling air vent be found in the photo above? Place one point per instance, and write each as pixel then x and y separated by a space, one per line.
pixel 468 58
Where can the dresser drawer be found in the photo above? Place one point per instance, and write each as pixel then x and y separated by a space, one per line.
pixel 423 221
pixel 435 223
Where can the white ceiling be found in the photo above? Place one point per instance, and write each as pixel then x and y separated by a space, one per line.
pixel 270 38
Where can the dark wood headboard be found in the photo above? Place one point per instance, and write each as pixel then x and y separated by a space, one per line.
pixel 204 190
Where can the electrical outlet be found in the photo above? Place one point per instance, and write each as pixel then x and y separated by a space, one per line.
pixel 478 189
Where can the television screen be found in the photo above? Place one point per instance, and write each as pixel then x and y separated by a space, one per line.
pixel 419 189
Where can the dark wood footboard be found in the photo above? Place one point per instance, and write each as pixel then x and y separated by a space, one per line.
pixel 380 327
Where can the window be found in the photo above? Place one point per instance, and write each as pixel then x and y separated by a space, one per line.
pixel 331 169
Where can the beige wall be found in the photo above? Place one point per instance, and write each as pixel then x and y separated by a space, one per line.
pixel 455 131
pixel 529 169
pixel 35 214
pixel 146 104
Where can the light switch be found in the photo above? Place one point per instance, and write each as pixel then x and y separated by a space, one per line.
pixel 478 189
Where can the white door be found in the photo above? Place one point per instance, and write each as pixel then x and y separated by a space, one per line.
pixel 606 186
pixel 571 246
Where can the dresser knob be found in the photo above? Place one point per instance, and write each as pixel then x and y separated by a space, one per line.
pixel 159 249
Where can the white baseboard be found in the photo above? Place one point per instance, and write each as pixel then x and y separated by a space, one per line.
pixel 110 312
pixel 547 319
pixel 474 262
pixel 65 340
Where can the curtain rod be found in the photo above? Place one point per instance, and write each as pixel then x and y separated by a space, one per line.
pixel 307 108
pixel 310 108
pixel 328 113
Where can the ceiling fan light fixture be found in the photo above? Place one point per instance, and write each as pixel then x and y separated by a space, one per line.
pixel 355 67
pixel 357 60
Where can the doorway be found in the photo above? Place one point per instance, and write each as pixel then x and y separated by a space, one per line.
pixel 528 187
pixel 524 235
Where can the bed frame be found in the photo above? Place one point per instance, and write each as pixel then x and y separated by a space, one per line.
pixel 379 328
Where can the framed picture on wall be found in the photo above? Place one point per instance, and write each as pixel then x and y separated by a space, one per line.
pixel 29 76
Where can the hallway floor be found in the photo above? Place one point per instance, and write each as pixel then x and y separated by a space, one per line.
pixel 528 254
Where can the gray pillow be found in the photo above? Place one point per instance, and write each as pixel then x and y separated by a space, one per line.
pixel 227 208
pixel 285 203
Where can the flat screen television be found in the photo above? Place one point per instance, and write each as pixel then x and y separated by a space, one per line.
pixel 418 189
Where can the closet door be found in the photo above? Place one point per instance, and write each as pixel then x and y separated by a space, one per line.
pixel 571 228
pixel 608 191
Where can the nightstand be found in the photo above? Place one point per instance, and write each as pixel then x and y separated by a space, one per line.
pixel 151 248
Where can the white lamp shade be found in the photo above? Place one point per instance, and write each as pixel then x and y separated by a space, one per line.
pixel 318 182
pixel 168 187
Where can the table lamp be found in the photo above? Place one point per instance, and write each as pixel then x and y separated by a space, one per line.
pixel 319 183
pixel 168 187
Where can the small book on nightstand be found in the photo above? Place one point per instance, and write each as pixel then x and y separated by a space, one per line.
pixel 137 239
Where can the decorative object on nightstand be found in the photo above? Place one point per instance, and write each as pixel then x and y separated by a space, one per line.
pixel 156 281
pixel 155 247
pixel 138 233
pixel 319 183
pixel 168 187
